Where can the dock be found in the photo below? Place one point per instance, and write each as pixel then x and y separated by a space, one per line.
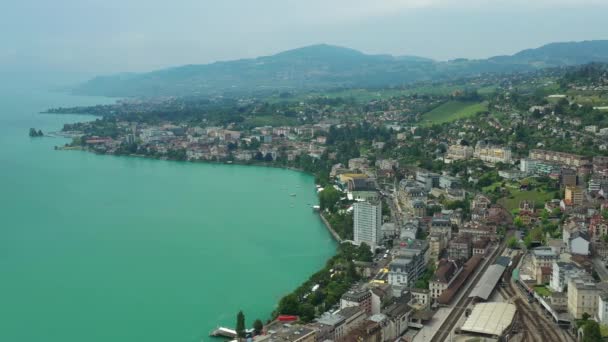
pixel 223 332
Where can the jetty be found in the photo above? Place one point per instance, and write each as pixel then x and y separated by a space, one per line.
pixel 223 332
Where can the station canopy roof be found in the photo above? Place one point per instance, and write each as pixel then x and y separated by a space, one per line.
pixel 490 318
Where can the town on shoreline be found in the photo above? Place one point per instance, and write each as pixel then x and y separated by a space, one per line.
pixel 474 208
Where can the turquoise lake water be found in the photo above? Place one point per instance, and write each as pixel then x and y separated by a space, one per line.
pixel 104 248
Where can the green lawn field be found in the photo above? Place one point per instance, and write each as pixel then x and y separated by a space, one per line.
pixel 453 110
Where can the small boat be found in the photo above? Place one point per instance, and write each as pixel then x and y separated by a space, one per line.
pixel 292 195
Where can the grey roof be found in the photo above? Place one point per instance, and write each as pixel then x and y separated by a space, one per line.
pixel 355 296
pixel 581 234
pixel 544 251
pixel 488 281
pixel 397 308
pixel 331 319
pixel 350 311
pixel 503 261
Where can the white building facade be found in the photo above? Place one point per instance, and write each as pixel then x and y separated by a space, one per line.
pixel 368 223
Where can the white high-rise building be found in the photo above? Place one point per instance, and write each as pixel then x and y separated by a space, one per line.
pixel 368 223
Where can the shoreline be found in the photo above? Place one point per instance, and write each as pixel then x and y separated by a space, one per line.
pixel 326 223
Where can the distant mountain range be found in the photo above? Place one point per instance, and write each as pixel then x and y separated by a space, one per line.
pixel 325 66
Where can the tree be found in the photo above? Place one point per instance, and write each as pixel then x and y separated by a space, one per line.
pixel 328 198
pixel 289 305
pixel 258 326
pixel 591 332
pixel 240 324
pixel 364 253
pixel 308 312
pixel 512 242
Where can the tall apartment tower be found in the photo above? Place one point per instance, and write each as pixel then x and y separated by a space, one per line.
pixel 368 221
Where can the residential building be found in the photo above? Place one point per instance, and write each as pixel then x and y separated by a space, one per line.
pixel 598 227
pixel 602 308
pixel 357 163
pixel 481 247
pixel 410 195
pixel 339 324
pixel 418 209
pixel 573 195
pixel 449 182
pixel 387 164
pixel 492 153
pixel 569 177
pixel 579 243
pixel 408 264
pixel 561 274
pixel 409 230
pixel 381 294
pixel 367 331
pixel 367 223
pixel 362 189
pixel 437 243
pixel 427 180
pixel 445 274
pixel 441 225
pixel 542 262
pixel 458 152
pixel 583 297
pixel 562 158
pixel 527 166
pixel 398 314
pixel 480 202
pixel 420 298
pixel 361 298
pixel 460 248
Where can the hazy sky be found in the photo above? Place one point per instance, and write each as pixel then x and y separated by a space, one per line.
pixel 105 36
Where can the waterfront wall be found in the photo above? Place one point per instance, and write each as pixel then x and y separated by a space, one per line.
pixel 331 230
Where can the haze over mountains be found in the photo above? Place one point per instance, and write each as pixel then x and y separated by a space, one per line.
pixel 325 66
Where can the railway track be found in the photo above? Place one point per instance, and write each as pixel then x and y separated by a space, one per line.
pixel 533 325
pixel 463 303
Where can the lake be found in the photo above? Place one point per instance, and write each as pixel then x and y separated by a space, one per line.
pixel 105 248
